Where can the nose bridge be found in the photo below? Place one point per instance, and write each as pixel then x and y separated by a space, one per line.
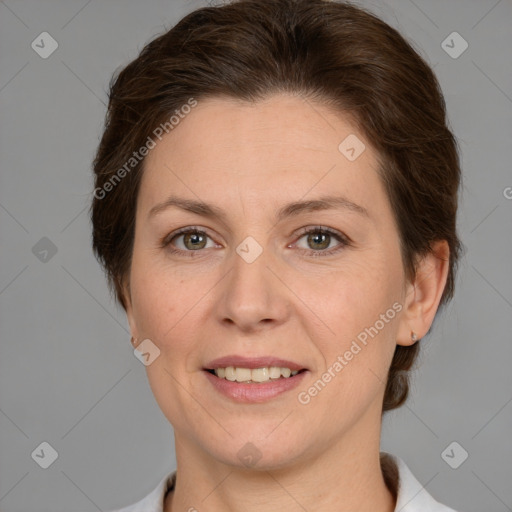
pixel 249 276
pixel 251 292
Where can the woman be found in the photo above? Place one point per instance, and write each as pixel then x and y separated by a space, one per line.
pixel 275 208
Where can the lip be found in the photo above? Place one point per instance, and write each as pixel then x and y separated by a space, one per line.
pixel 256 392
pixel 252 363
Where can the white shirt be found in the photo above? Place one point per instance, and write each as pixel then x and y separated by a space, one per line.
pixel 411 496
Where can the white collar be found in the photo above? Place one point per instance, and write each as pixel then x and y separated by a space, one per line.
pixel 412 496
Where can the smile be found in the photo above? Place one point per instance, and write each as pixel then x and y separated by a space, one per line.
pixel 254 375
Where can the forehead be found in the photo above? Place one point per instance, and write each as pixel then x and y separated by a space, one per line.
pixel 281 119
pixel 281 147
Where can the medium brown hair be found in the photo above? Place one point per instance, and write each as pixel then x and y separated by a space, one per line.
pixel 335 53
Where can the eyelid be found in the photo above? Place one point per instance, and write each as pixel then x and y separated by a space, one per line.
pixel 324 229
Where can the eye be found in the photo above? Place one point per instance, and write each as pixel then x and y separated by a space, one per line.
pixel 193 240
pixel 319 239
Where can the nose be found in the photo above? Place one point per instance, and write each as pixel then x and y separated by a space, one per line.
pixel 252 297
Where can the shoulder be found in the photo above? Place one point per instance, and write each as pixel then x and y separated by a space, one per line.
pixel 412 495
pixel 154 501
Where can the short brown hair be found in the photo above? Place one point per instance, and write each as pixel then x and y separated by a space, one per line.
pixel 336 53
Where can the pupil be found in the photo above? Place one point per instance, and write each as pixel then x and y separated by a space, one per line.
pixel 321 235
pixel 194 237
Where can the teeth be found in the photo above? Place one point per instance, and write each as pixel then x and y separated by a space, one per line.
pixel 254 375
pixel 259 375
pixel 274 372
pixel 242 374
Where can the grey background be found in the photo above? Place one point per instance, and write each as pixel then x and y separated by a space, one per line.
pixel 67 372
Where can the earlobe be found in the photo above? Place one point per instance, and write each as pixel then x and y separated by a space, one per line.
pixel 129 311
pixel 424 294
pixel 131 322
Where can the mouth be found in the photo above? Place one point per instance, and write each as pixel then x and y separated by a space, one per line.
pixel 255 379
pixel 255 375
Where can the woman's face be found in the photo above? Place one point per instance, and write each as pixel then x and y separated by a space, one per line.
pixel 254 290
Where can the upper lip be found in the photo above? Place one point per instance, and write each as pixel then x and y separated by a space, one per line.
pixel 252 362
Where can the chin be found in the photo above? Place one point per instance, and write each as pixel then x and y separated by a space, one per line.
pixel 255 451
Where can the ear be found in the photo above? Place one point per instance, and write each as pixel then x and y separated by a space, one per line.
pixel 129 309
pixel 422 296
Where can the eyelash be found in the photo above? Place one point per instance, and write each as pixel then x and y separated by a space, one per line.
pixel 344 241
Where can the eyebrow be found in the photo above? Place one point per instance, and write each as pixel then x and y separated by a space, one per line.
pixel 288 210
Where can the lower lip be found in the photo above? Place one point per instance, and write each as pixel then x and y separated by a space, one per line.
pixel 257 392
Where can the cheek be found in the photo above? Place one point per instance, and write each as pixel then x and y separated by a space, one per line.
pixel 360 309
pixel 156 298
pixel 166 306
pixel 159 306
pixel 349 300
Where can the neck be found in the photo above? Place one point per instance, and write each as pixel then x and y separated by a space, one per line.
pixel 346 477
